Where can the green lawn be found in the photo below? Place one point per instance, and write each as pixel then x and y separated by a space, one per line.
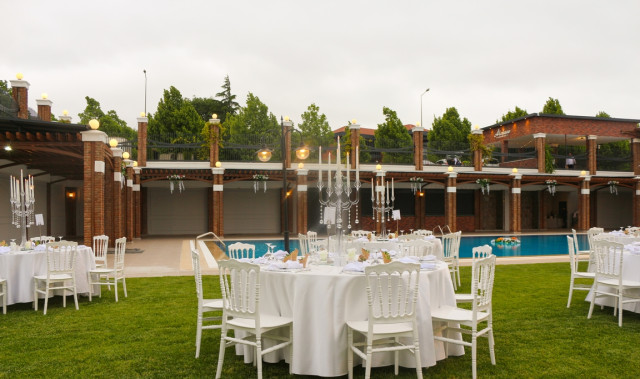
pixel 152 333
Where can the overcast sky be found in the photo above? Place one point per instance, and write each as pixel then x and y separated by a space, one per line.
pixel 350 58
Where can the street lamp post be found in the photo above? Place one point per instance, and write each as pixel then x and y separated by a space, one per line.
pixel 285 128
pixel 425 91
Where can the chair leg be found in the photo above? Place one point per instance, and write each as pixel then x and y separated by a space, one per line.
pixel 223 335
pixel 124 286
pixel 198 333
pixel 570 293
pixel 416 352
pixel 474 341
pixel 593 299
pixel 620 309
pixel 291 349
pixel 75 294
pixel 35 294
pixel 115 284
pixel 64 296
pixel 90 285
pixel 350 352
pixel 258 357
pixel 46 298
pixel 367 370
pixel 492 352
pixel 395 357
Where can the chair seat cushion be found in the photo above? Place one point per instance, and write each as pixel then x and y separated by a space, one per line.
pixel 56 277
pixel 266 321
pixel 212 303
pixel 449 313
pixel 380 329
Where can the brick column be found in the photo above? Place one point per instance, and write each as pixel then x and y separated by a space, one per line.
pixel 418 147
pixel 355 142
pixel 450 207
pixel 94 146
pixel 118 195
pixel 137 205
pixel 635 151
pixel 584 222
pixel 540 141
pixel 515 204
pixel 217 210
pixel 636 203
pixel 142 140
pixel 287 126
pixel 592 165
pixel 477 153
pixel 214 138
pixel 20 93
pixel 504 149
pixel 44 108
pixel 301 198
pixel 128 188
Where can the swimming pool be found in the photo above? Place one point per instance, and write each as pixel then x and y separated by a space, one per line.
pixel 529 245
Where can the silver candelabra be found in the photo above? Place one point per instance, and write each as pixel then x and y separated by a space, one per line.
pixel 340 193
pixel 22 203
pixel 381 202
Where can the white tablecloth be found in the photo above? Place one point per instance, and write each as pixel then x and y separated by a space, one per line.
pixel 322 300
pixel 19 269
pixel 630 271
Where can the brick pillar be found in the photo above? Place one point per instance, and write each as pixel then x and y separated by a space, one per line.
pixel 635 151
pixel 540 140
pixel 214 138
pixel 592 165
pixel 118 195
pixel 515 204
pixel 128 188
pixel 504 149
pixel 584 222
pixel 137 206
pixel 450 207
pixel 217 210
pixel 94 146
pixel 20 93
pixel 142 141
pixel 355 143
pixel 44 108
pixel 477 153
pixel 287 127
pixel 418 147
pixel 65 118
pixel 301 198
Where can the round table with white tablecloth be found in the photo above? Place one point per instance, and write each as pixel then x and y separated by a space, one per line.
pixel 630 271
pixel 321 301
pixel 19 268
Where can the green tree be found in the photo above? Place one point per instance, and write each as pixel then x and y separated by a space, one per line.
pixel 253 126
pixel 229 104
pixel 552 106
pixel 512 115
pixel 345 144
pixel 448 134
pixel 207 106
pixel 394 136
pixel 315 128
pixel 175 115
pixel 603 114
pixel 110 123
pixel 4 87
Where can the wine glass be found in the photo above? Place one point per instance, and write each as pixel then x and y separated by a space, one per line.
pixel 401 232
pixel 60 237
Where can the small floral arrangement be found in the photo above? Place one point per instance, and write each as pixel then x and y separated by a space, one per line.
pixel 551 186
pixel 484 185
pixel 415 179
pixel 416 183
pixel 613 186
pixel 3 243
pixel 176 179
pixel 505 242
pixel 257 178
pixel 386 257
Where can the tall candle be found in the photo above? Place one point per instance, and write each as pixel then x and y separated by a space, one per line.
pixel 329 170
pixel 320 164
pixel 387 192
pixel 357 166
pixel 348 176
pixel 373 189
pixel 393 191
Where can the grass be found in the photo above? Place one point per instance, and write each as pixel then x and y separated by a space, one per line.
pixel 152 334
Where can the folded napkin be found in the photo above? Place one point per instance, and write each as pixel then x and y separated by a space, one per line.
pixel 362 239
pixel 428 258
pixel 261 261
pixel 4 249
pixel 431 237
pixel 40 247
pixel 292 257
pixel 428 266
pixel 354 267
pixel 409 260
pixel 280 254
pixel 289 265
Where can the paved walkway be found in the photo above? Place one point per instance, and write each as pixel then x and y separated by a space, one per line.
pixel 170 256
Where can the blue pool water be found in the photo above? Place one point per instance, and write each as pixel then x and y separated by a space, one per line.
pixel 529 245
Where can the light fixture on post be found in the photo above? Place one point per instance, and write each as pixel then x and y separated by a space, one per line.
pixel 264 154
pixel 113 143
pixel 416 184
pixel 285 124
pixel 94 124
pixel 425 91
